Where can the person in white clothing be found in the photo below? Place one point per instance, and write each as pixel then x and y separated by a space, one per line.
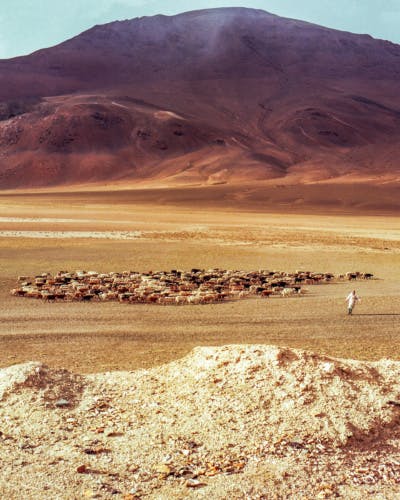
pixel 351 300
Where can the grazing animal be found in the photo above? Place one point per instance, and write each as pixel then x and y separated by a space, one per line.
pixel 367 276
pixel 175 287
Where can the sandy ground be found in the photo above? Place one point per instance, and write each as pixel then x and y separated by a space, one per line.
pixel 98 337
pixel 150 448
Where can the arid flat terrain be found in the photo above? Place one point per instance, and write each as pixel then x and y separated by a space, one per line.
pixel 67 231
pixel 135 401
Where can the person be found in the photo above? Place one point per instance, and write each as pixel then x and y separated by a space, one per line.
pixel 351 300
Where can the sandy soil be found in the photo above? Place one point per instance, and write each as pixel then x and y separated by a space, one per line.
pixel 100 337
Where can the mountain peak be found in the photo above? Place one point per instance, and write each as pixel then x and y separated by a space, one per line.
pixel 211 96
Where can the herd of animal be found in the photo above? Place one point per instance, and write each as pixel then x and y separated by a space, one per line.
pixel 175 287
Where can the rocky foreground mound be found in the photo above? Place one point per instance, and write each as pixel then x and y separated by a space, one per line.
pixel 224 422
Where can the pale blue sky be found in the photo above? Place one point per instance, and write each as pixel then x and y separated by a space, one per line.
pixel 27 25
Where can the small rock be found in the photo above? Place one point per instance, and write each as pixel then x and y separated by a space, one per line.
pixel 96 450
pixel 82 469
pixel 194 483
pixel 297 445
pixel 115 434
pixel 61 403
pixel 328 368
pixel 163 469
pixel 167 459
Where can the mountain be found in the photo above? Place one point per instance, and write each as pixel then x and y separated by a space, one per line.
pixel 216 96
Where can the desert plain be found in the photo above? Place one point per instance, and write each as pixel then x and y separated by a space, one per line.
pixel 274 414
pixel 115 232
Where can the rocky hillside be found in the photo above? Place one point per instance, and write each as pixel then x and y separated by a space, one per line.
pixel 207 97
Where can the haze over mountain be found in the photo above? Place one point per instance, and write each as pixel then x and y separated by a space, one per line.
pixel 216 96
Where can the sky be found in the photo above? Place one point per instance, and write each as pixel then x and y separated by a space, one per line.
pixel 29 25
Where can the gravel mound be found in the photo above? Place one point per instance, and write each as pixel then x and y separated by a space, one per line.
pixel 240 421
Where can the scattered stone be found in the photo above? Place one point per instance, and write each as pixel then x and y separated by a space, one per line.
pixel 96 451
pixel 133 468
pixel 113 434
pixel 194 483
pixel 62 403
pixel 270 431
pixel 163 469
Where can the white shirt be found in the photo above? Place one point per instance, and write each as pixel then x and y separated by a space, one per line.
pixel 352 299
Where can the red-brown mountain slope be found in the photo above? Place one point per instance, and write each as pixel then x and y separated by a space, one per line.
pixel 215 96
